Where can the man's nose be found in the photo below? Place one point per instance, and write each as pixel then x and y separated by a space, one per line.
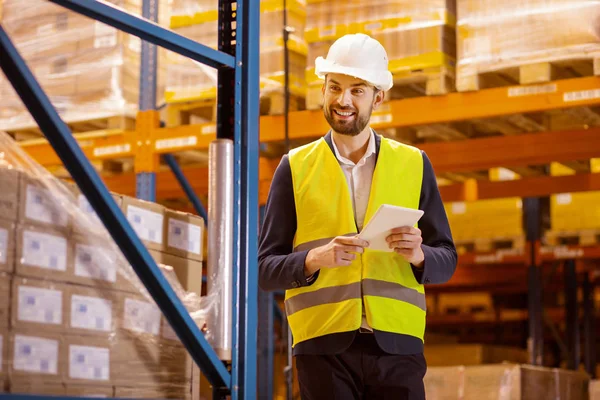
pixel 345 99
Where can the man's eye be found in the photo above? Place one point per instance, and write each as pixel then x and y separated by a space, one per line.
pixel 334 88
pixel 358 91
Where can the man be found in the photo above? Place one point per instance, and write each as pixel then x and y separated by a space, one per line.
pixel 357 316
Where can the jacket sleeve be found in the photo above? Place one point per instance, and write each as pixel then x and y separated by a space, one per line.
pixel 438 245
pixel 279 268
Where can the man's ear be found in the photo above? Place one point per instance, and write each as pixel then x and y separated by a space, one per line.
pixel 379 97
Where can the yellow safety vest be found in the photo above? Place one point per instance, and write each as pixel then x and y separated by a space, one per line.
pixel 394 301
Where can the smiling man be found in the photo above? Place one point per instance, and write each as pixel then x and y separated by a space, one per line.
pixel 357 316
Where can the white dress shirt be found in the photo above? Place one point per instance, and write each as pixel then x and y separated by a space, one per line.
pixel 359 177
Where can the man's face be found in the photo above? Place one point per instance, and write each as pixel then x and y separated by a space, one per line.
pixel 348 103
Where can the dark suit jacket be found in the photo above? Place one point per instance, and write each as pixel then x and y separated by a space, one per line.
pixel 282 269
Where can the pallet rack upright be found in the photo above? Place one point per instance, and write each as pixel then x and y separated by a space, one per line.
pixel 237 120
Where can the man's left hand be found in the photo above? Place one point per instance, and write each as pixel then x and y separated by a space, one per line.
pixel 406 241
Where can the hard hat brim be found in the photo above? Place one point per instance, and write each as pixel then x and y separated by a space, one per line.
pixel 382 80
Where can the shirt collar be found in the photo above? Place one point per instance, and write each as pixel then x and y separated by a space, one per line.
pixel 371 149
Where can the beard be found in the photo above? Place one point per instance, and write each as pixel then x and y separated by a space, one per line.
pixel 351 127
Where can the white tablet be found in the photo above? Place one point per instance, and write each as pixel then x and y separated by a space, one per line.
pixel 384 220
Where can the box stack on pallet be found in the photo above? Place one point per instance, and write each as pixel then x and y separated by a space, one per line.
pixel 574 217
pixel 486 225
pixel 90 71
pixel 504 381
pixel 191 87
pixel 419 38
pixel 74 317
pixel 525 41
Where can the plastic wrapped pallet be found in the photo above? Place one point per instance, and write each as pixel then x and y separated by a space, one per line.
pixel 89 70
pixel 486 220
pixel 190 81
pixel 74 317
pixel 497 36
pixel 418 36
pixel 504 382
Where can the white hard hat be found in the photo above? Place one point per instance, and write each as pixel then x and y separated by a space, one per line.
pixel 360 56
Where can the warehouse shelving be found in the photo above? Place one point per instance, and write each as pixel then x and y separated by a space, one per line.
pixel 238 75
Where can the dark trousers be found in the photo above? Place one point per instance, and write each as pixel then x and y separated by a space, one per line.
pixel 362 372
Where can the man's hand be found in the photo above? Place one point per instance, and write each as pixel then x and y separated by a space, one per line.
pixel 406 241
pixel 341 251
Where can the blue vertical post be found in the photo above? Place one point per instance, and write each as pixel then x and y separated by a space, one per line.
pixel 146 181
pixel 246 148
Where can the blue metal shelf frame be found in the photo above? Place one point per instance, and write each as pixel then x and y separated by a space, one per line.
pixel 241 382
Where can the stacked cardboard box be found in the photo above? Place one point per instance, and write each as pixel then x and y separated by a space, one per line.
pixel 74 318
pixel 90 70
pixel 418 36
pixel 188 81
pixel 504 381
pixel 493 35
pixel 485 219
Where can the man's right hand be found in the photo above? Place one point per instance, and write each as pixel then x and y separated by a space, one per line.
pixel 340 252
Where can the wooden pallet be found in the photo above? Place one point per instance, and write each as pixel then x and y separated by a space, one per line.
pixel 584 237
pixel 529 73
pixel 464 303
pixel 78 125
pixel 414 83
pixel 202 111
pixel 484 245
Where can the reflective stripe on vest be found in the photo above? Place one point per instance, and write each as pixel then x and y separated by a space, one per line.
pixel 394 301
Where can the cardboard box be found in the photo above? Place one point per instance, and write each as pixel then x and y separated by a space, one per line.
pixel 95 262
pixel 188 272
pixel 7 245
pixel 36 356
pixel 158 392
pixel 23 386
pixel 147 219
pixel 40 306
pixel 139 318
pixel 184 235
pixel 85 220
pixel 3 357
pixel 504 381
pixel 5 287
pixel 88 360
pixel 40 206
pixel 10 181
pixel 92 311
pixel 43 253
pixel 90 391
pixel 594 390
pixel 141 362
pixel 473 354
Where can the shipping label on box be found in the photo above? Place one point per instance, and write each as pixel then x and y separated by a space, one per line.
pixel 10 180
pixel 141 316
pixel 147 224
pixel 38 305
pixel 7 245
pixel 40 205
pixel 147 219
pixel 43 253
pixel 93 262
pixel 91 313
pixel 89 363
pixel 91 223
pixel 184 234
pixel 36 355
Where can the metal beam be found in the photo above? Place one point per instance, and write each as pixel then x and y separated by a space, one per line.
pixel 589 327
pixel 185 185
pixel 89 182
pixel 531 210
pixel 246 151
pixel 513 151
pixel 571 315
pixel 538 186
pixel 145 30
